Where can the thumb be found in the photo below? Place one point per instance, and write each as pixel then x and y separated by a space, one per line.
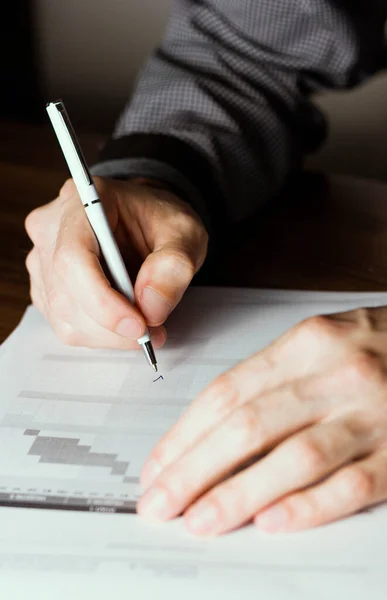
pixel 164 277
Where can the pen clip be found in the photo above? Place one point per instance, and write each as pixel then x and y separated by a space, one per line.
pixel 62 113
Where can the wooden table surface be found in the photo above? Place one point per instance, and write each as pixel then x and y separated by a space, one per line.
pixel 329 233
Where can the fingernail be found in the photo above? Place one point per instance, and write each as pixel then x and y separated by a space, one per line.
pixel 154 504
pixel 149 473
pixel 130 328
pixel 154 306
pixel 202 518
pixel 273 519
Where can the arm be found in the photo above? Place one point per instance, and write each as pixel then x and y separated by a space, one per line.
pixel 221 111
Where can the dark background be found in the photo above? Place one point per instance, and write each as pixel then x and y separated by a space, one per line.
pixel 21 94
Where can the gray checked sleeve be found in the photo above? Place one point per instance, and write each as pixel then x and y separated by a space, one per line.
pixel 222 109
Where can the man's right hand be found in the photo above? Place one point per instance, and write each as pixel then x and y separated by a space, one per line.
pixel 161 238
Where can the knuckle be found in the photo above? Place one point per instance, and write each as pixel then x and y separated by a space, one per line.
pixel 197 228
pixel 242 427
pixel 304 509
pixel 231 499
pixel 36 299
pixel 31 262
pixel 358 484
pixel 183 218
pixel 202 246
pixel 365 367
pixel 298 507
pixel 29 222
pixel 161 452
pixel 317 329
pixel 100 308
pixel 177 482
pixel 180 263
pixel 363 318
pixel 67 191
pixel 63 257
pixel 309 456
pixel 189 225
pixel 302 390
pixel 222 394
pixel 166 451
pixel 32 225
pixel 66 333
pixel 58 303
pixel 193 231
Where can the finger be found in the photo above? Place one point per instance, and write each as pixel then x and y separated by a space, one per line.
pixel 76 263
pixel 162 280
pixel 33 264
pixel 96 337
pixel 178 243
pixel 299 461
pixel 37 293
pixel 353 488
pixel 298 352
pixel 90 335
pixel 42 224
pixel 37 299
pixel 76 328
pixel 81 273
pixel 71 267
pixel 245 433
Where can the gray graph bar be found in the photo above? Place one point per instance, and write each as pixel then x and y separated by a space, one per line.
pixel 68 451
pixel 25 500
pixel 193 360
pixel 133 400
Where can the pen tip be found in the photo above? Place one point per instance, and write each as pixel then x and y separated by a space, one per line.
pixel 155 367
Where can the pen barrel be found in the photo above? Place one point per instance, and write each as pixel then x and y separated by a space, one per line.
pixel 109 248
pixel 92 203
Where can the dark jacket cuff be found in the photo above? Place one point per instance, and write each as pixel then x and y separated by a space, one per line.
pixel 187 171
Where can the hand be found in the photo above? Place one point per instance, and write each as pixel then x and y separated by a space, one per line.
pixel 312 407
pixel 159 235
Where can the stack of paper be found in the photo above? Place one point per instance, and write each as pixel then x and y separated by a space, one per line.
pixel 75 428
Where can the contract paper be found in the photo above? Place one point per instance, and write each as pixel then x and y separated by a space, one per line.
pixel 76 426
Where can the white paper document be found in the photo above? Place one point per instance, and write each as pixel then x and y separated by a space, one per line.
pixel 76 425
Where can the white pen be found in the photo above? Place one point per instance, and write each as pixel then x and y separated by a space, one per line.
pixel 95 211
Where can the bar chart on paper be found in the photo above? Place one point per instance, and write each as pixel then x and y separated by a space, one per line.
pixel 76 434
pixel 76 425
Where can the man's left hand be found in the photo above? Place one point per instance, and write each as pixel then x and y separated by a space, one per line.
pixel 292 438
